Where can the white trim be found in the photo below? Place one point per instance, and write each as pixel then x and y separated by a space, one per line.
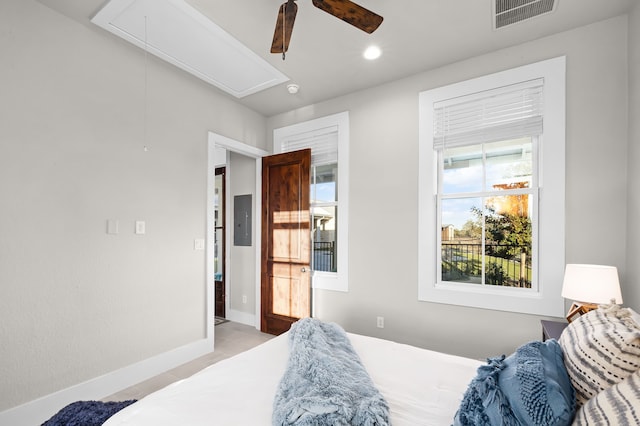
pixel 551 250
pixel 242 317
pixel 40 410
pixel 231 145
pixel 235 146
pixel 258 239
pixel 209 245
pixel 328 280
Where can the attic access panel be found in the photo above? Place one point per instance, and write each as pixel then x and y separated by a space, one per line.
pixel 507 12
pixel 182 36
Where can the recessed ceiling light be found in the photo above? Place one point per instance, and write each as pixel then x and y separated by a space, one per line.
pixel 372 52
pixel 293 88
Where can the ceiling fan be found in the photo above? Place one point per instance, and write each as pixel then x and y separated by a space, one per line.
pixel 346 10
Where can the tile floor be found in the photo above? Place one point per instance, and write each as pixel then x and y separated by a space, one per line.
pixel 230 338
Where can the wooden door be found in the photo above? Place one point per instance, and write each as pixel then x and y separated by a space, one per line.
pixel 286 241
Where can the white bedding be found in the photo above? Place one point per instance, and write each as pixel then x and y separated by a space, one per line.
pixel 422 387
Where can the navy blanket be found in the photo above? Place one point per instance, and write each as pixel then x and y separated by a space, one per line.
pixel 86 413
pixel 325 382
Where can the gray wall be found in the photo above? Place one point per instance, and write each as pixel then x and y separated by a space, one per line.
pixel 384 175
pixel 632 289
pixel 242 275
pixel 76 303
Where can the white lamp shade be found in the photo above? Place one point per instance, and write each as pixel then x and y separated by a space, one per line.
pixel 597 284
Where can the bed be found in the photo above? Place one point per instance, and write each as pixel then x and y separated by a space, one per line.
pixel 418 384
pixel 574 382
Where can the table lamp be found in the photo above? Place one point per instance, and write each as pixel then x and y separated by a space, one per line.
pixel 588 286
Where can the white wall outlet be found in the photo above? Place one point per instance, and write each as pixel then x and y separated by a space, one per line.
pixel 380 322
pixel 198 244
pixel 141 227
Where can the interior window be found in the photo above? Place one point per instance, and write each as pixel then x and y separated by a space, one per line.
pixel 486 213
pixel 328 138
pixel 491 229
pixel 324 217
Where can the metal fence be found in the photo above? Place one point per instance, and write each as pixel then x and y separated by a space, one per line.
pixel 463 262
pixel 324 256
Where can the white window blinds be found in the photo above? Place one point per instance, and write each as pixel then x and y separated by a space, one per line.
pixel 504 113
pixel 323 144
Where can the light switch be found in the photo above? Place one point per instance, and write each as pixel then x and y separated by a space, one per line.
pixel 198 244
pixel 112 227
pixel 141 227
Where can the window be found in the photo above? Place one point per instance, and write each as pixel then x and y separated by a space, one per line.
pixel 324 217
pixel 328 139
pixel 491 229
pixel 486 213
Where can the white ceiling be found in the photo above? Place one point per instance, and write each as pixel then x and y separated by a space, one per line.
pixel 325 54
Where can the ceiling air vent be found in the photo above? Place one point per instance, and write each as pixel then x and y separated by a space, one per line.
pixel 509 12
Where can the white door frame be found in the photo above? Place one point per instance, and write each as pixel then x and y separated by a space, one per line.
pixel 230 145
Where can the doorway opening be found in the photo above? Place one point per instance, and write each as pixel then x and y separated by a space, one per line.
pixel 219 252
pixel 242 287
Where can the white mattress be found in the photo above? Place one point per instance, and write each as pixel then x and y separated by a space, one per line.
pixel 422 387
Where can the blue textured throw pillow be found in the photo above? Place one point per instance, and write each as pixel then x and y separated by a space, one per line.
pixel 530 387
pixel 537 385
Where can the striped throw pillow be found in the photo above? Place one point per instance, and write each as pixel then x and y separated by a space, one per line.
pixel 601 348
pixel 620 404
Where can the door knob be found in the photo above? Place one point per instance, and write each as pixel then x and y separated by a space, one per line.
pixel 303 269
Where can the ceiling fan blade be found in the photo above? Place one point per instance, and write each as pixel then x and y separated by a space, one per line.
pixel 351 13
pixel 284 27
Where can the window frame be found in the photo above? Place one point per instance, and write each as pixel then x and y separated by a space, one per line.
pixel 336 281
pixel 545 298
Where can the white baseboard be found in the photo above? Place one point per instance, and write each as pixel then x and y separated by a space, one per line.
pixel 241 317
pixel 40 410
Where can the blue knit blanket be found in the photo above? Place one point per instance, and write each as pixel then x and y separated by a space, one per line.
pixel 325 382
pixel 86 413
